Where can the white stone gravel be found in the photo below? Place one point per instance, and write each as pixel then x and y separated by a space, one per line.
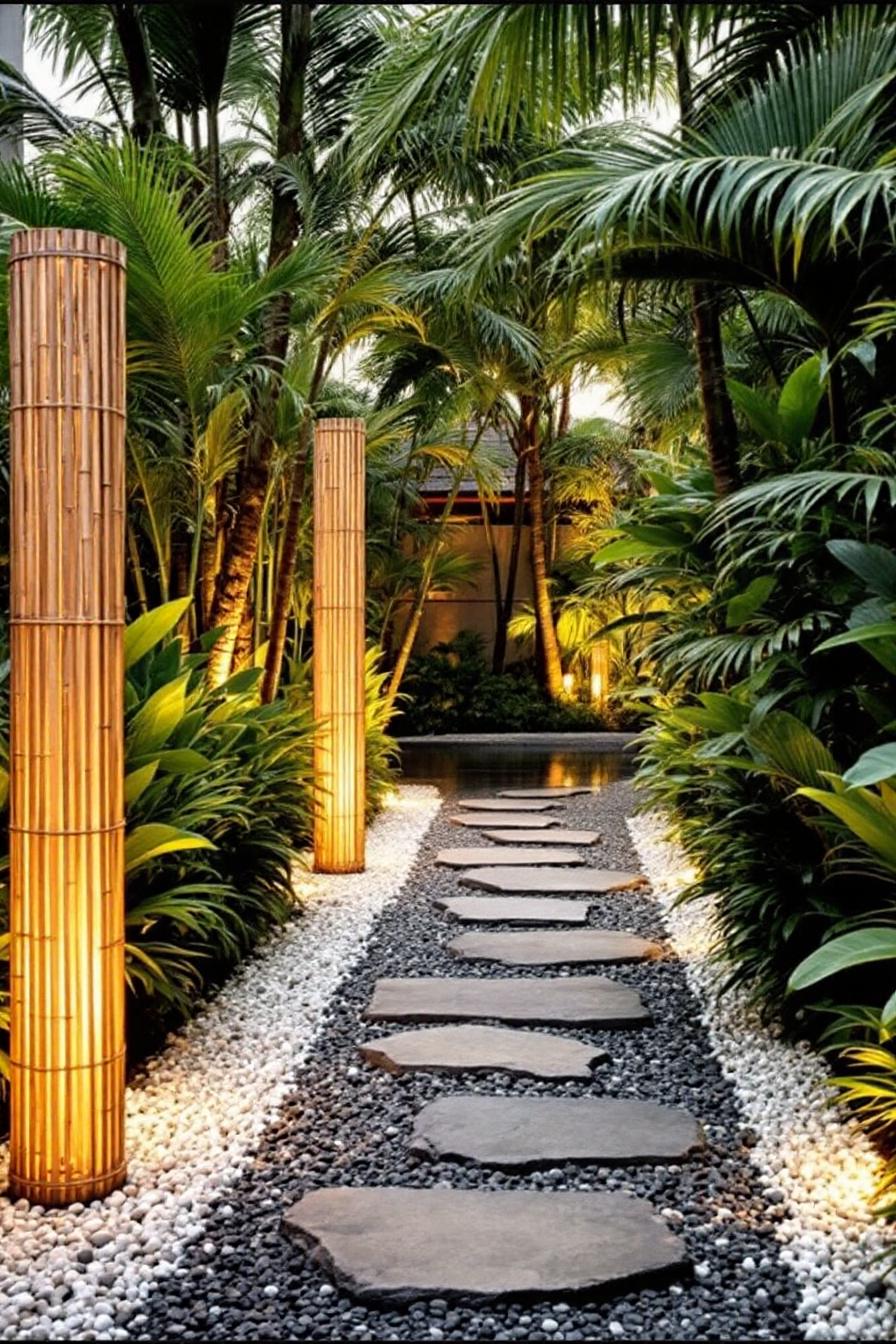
pixel 197 1114
pixel 809 1154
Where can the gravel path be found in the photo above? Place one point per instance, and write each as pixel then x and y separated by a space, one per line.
pixel 347 1124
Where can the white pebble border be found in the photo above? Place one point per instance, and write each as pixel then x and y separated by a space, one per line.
pixel 808 1151
pixel 194 1119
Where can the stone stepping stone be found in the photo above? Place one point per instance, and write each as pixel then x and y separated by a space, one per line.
pixel 548 881
pixel 385 1243
pixel 578 1001
pixel 560 791
pixel 533 837
pixel 554 947
pixel 514 910
pixel 518 819
pixel 503 805
pixel 470 858
pixel 528 1132
pixel 475 1049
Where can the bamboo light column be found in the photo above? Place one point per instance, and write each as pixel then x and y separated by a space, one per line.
pixel 338 677
pixel 67 343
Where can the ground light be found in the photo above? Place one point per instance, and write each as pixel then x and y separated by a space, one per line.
pixel 338 595
pixel 67 343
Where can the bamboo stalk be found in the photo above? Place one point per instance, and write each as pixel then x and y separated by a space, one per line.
pixel 67 374
pixel 338 676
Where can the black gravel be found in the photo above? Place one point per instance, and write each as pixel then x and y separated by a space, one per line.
pixel 347 1124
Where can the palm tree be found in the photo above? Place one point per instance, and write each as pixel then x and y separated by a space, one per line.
pixel 497 62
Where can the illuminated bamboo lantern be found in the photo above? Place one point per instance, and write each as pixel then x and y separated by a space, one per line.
pixel 600 674
pixel 67 344
pixel 339 765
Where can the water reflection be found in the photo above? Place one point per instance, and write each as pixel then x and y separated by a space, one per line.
pixel 453 766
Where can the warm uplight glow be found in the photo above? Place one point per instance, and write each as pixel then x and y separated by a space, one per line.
pixel 569 683
pixel 597 686
pixel 67 343
pixel 339 765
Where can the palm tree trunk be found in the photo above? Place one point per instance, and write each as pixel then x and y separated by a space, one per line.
pixel 499 644
pixel 283 591
pixel 218 214
pixel 239 555
pixel 146 111
pixel 718 414
pixel 544 616
pixel 235 574
pixel 513 561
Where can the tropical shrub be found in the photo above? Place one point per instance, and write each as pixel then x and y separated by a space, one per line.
pixel 218 794
pixel 451 689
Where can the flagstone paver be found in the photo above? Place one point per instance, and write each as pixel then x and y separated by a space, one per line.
pixel 520 879
pixel 554 947
pixel 505 804
pixel 584 1000
pixel 533 837
pixel 473 857
pixel 515 909
pixel 480 1049
pixel 528 1132
pixel 384 1242
pixel 512 819
pixel 559 791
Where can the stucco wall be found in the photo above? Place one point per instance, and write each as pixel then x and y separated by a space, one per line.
pixel 473 608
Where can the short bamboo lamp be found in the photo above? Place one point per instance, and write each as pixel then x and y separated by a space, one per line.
pixel 67 345
pixel 338 678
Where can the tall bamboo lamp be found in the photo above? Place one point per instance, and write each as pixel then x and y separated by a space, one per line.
pixel 338 677
pixel 67 345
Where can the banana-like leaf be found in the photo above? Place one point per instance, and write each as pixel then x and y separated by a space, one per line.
pixel 154 839
pixel 851 949
pixel 138 781
pixel 155 721
pixel 874 565
pixel 875 765
pixel 151 628
pixel 866 814
pixel 799 401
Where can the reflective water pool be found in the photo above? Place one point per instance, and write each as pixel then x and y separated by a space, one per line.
pixel 512 764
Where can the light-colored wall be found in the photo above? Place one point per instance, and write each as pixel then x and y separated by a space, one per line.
pixel 473 607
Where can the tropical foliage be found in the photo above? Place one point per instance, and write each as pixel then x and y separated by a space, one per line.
pixel 447 219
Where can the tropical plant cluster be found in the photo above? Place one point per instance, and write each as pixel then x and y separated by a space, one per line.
pixel 735 257
pixel 445 220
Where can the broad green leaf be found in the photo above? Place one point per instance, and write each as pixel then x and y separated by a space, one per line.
pixel 792 748
pixel 747 603
pixel 875 565
pixel 151 628
pixel 4 787
pixel 757 410
pixel 137 781
pixel 862 634
pixel 851 949
pixel 799 400
pixel 154 839
pixel 875 765
pixel 179 761
pixel 865 814
pixel 243 680
pixel 154 722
